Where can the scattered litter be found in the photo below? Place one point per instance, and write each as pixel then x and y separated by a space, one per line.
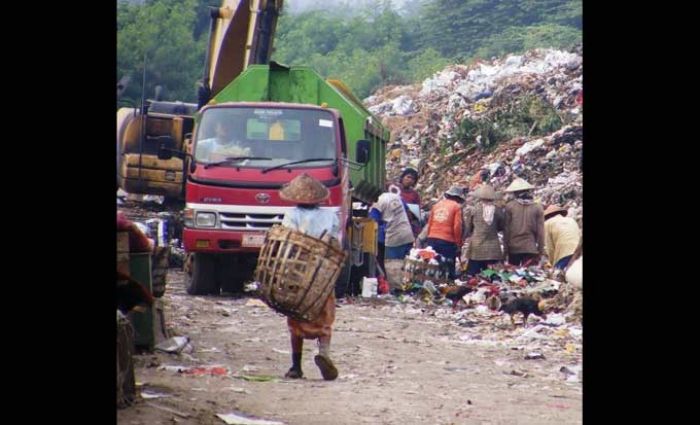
pixel 278 351
pixel 254 302
pixel 173 368
pixel 237 390
pixel 197 370
pixel 555 319
pixel 572 373
pixel 256 378
pixel 251 287
pixel 534 356
pixel 175 344
pixel 207 370
pixel 235 419
pixel 249 368
pixel 149 395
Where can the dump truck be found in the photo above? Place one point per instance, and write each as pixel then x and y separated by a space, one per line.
pixel 285 120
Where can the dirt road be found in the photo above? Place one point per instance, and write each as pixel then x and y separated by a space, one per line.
pixel 399 363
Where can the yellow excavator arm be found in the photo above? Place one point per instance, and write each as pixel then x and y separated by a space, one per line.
pixel 242 34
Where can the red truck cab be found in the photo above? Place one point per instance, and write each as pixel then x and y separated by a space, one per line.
pixel 242 154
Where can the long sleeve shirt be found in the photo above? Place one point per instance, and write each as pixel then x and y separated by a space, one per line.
pixel 484 244
pixel 524 228
pixel 562 236
pixel 393 212
pixel 445 222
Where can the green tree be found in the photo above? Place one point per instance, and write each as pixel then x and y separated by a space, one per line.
pixel 162 30
pixel 461 27
pixel 425 63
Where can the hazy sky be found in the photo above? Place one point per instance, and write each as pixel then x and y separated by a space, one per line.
pixel 302 5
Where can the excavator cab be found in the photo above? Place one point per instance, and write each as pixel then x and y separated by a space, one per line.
pixel 141 138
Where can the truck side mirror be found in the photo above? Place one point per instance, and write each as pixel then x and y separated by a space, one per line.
pixel 362 151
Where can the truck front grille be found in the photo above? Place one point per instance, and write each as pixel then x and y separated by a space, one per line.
pixel 242 221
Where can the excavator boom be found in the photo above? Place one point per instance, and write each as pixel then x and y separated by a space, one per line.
pixel 243 35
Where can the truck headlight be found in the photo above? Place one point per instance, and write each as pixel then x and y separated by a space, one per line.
pixel 205 219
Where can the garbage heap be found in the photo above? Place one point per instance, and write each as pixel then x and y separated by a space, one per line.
pixel 163 223
pixel 520 115
pixel 425 280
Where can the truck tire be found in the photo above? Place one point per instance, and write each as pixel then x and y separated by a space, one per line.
pixel 342 285
pixel 235 270
pixel 202 277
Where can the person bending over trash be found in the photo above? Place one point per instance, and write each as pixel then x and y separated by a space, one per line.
pixel 484 221
pixel 561 235
pixel 523 236
pixel 444 229
pixel 308 218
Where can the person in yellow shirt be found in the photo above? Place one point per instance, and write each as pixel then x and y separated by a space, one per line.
pixel 561 235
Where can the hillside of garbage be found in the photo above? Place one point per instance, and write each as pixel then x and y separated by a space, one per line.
pixel 516 116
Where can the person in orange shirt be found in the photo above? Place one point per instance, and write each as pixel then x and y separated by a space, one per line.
pixel 445 227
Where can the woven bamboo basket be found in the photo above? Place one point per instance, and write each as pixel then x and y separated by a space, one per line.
pixel 297 273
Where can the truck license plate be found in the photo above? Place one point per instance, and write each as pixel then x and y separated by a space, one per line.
pixel 253 240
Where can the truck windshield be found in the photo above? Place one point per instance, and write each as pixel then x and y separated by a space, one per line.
pixel 266 137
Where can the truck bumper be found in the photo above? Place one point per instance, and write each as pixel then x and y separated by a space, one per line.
pixel 221 241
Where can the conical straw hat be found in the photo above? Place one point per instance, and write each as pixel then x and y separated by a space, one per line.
pixel 518 185
pixel 304 189
pixel 553 209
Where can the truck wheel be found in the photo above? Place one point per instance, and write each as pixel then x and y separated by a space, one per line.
pixel 342 285
pixel 202 277
pixel 235 270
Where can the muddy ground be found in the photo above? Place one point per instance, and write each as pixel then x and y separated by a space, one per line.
pixel 399 363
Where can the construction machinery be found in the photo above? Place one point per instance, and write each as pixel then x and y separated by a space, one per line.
pixel 284 121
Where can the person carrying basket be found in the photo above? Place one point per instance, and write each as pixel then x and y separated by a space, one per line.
pixel 308 218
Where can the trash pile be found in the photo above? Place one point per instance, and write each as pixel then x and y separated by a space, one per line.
pixel 501 281
pixel 162 224
pixel 517 116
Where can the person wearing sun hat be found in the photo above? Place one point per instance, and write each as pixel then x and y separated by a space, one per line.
pixel 561 236
pixel 484 221
pixel 444 232
pixel 307 217
pixel 523 235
